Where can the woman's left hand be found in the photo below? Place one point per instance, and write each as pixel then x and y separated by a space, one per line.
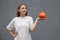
pixel 40 18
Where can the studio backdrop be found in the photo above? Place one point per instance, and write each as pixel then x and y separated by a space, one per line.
pixel 48 29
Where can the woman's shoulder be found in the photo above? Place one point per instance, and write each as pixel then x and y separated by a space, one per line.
pixel 14 18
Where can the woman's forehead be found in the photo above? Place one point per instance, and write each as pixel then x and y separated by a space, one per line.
pixel 23 6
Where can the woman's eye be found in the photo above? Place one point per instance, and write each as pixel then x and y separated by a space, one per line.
pixel 24 8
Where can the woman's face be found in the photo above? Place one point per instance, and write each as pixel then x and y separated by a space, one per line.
pixel 23 10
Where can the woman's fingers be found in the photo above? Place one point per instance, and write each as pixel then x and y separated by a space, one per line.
pixel 16 34
pixel 41 18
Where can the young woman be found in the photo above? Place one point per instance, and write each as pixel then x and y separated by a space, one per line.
pixel 22 24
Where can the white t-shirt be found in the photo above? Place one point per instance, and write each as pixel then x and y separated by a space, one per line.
pixel 21 25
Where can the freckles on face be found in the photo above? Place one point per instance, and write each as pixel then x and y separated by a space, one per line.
pixel 23 9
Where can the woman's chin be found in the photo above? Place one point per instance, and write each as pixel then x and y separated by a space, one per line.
pixel 24 13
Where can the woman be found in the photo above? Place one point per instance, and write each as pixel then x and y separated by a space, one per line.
pixel 23 24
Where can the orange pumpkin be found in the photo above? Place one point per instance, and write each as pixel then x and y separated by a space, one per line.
pixel 42 14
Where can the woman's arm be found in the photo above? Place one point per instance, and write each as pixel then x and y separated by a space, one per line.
pixel 12 34
pixel 34 25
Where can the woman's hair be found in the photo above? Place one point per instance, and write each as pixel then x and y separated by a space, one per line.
pixel 18 13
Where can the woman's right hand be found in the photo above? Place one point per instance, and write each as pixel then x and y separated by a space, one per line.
pixel 15 35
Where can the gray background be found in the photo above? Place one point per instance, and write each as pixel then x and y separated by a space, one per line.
pixel 48 29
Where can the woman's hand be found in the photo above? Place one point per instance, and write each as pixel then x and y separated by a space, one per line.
pixel 40 18
pixel 15 35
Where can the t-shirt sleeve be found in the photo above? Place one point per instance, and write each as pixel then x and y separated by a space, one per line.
pixel 10 26
pixel 31 22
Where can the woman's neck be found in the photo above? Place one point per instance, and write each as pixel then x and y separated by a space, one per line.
pixel 22 15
